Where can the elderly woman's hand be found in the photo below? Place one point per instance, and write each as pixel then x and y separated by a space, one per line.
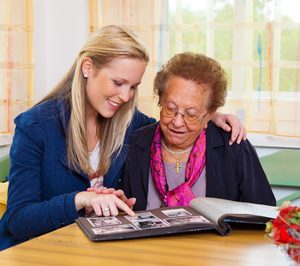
pixel 103 204
pixel 231 123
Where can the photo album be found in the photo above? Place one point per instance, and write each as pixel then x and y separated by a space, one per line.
pixel 202 214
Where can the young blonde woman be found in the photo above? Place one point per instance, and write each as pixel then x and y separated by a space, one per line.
pixel 76 138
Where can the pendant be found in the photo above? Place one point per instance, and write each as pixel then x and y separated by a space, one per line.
pixel 178 166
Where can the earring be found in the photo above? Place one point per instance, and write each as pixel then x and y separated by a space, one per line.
pixel 85 75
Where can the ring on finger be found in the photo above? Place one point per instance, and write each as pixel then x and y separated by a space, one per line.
pixel 105 209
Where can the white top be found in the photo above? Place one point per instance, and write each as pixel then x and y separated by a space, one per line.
pixel 94 162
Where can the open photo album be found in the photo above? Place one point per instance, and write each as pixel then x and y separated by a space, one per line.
pixel 202 214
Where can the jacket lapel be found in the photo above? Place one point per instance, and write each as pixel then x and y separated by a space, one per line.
pixel 64 161
pixel 214 140
pixel 144 147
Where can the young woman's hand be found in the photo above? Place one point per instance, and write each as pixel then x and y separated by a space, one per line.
pixel 103 204
pixel 119 193
pixel 231 123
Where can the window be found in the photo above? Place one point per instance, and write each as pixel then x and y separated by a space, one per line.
pixel 258 44
pixel 16 61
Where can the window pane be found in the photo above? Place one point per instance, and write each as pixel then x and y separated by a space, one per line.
pixel 229 78
pixel 194 41
pixel 289 80
pixel 223 10
pixel 290 45
pixel 260 79
pixel 16 16
pixel 290 11
pixel 223 44
pixel 192 5
pixel 263 10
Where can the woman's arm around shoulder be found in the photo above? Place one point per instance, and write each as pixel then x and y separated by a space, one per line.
pixel 231 123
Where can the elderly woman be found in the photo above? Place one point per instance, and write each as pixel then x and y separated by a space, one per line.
pixel 184 155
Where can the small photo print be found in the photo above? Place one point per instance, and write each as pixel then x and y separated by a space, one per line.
pixel 114 229
pixel 149 224
pixel 146 220
pixel 103 221
pixel 186 220
pixel 176 213
pixel 141 216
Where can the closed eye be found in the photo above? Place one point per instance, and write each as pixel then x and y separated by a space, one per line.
pixel 191 115
pixel 134 87
pixel 171 110
pixel 117 83
pixel 192 112
pixel 172 107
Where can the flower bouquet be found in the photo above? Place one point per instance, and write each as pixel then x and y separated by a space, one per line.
pixel 285 229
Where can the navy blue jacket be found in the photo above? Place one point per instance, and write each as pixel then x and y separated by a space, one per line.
pixel 42 187
pixel 233 172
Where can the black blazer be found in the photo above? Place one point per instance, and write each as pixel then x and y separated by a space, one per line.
pixel 233 172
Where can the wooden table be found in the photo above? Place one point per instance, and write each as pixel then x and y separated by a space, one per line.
pixel 69 246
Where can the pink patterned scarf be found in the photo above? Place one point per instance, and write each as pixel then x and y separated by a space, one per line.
pixel 183 194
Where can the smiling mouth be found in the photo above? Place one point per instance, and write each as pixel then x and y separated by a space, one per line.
pixel 176 132
pixel 115 104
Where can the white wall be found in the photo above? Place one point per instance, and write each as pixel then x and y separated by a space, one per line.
pixel 61 27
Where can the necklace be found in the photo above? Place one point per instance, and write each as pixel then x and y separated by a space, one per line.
pixel 176 155
pixel 176 152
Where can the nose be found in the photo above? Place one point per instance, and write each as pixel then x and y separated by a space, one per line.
pixel 125 94
pixel 178 120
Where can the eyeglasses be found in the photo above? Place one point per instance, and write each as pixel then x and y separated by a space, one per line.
pixel 188 117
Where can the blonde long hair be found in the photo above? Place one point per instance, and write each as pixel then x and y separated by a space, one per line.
pixel 107 44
